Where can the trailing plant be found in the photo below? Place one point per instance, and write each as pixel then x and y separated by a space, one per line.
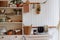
pixel 16 1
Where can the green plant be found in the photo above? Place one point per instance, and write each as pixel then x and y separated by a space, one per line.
pixel 16 1
pixel 38 9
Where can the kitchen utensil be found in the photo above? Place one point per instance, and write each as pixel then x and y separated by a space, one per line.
pixel 46 28
pixel 34 32
pixel 26 8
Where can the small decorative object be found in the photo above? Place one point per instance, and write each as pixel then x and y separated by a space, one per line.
pixel 18 32
pixel 17 2
pixel 18 11
pixel 2 30
pixel 10 32
pixel 2 11
pixel 1 20
pixel 38 9
pixel 46 28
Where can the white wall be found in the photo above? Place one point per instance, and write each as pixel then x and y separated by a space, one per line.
pixel 49 15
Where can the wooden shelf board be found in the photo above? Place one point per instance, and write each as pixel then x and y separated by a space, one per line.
pixel 33 3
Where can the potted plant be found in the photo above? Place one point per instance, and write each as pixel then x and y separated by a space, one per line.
pixel 17 2
pixel 38 9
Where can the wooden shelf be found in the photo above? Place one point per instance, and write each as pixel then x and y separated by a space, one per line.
pixel 3 0
pixel 51 26
pixel 46 35
pixel 48 27
pixel 33 3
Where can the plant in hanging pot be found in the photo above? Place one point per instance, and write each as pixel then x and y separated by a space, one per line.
pixel 17 2
pixel 38 9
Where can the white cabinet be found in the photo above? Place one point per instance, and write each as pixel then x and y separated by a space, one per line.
pixel 13 37
pixel 4 38
pixel 53 33
pixel 37 37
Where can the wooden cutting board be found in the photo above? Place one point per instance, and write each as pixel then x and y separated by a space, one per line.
pixel 26 8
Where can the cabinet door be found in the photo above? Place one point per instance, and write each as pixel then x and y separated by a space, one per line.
pixel 13 37
pixel 18 37
pixel 4 38
pixel 37 37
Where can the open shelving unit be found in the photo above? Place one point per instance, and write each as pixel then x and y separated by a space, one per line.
pixel 11 20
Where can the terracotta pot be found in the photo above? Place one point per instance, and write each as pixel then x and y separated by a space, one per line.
pixel 38 12
pixel 27 30
pixel 38 9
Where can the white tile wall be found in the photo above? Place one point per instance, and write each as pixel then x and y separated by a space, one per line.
pixel 49 14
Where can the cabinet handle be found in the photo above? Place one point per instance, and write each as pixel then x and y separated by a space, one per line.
pixel 2 37
pixel 15 36
pixel 24 37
